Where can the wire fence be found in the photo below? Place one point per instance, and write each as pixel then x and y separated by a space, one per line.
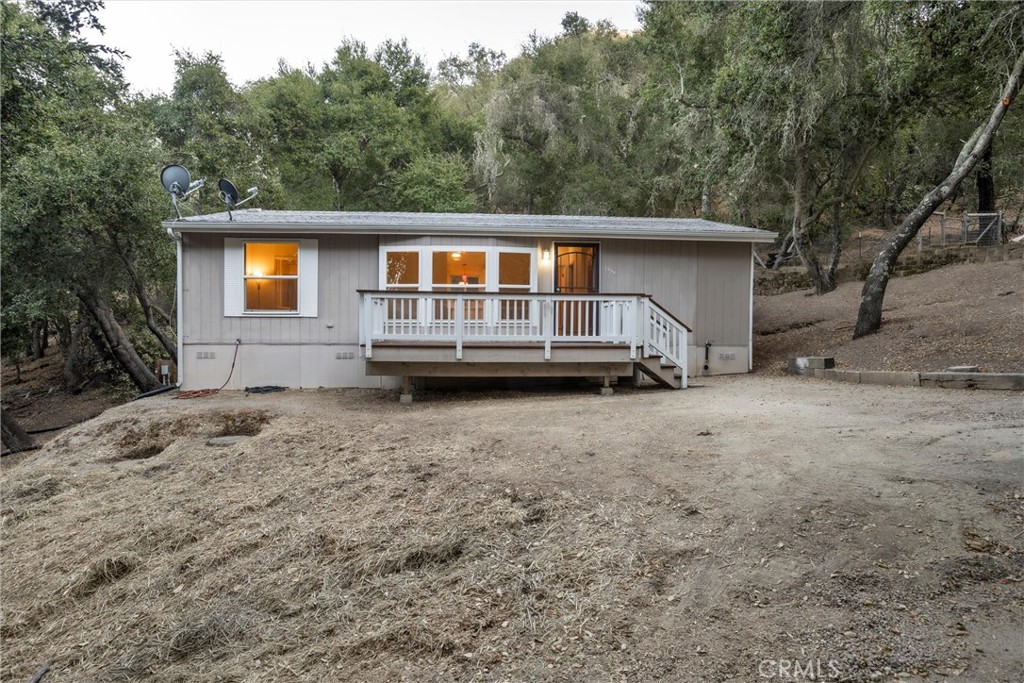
pixel 981 229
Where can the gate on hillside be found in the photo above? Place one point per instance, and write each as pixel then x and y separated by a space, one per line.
pixel 980 229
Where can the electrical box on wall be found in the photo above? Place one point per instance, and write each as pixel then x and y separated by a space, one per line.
pixel 166 371
pixel 727 356
pixel 345 355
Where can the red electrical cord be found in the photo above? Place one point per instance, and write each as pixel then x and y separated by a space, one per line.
pixel 200 393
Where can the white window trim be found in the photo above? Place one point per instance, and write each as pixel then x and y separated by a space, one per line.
pixel 234 278
pixel 426 257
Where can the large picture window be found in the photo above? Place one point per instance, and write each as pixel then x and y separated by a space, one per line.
pixel 448 269
pixel 459 270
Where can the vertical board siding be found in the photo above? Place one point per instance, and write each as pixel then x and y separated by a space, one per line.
pixel 723 296
pixel 345 264
pixel 704 284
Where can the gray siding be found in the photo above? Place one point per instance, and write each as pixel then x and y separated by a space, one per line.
pixel 347 263
pixel 456 241
pixel 704 284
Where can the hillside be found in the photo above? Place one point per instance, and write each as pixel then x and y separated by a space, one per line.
pixel 652 535
pixel 966 314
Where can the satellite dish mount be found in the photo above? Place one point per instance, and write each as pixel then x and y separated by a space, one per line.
pixel 229 193
pixel 179 184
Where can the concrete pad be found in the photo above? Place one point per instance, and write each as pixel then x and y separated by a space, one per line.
pixel 405 398
pixel 606 391
pixel 896 379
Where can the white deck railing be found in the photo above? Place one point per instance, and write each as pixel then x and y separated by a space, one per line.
pixel 458 318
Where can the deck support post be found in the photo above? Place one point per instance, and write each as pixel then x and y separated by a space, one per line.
pixel 606 390
pixel 406 395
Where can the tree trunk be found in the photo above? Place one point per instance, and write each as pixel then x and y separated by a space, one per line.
pixel 15 438
pixel 985 183
pixel 143 296
pixel 72 356
pixel 801 242
pixel 122 348
pixel 832 270
pixel 787 243
pixel 705 200
pixel 40 339
pixel 869 317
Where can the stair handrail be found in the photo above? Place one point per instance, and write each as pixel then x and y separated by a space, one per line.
pixel 664 334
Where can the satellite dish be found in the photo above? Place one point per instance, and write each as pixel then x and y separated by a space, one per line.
pixel 229 193
pixel 179 184
pixel 176 180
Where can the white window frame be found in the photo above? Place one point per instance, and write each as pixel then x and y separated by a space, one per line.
pixel 426 256
pixel 235 277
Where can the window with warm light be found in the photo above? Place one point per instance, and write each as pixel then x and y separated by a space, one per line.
pixel 403 270
pixel 459 270
pixel 271 274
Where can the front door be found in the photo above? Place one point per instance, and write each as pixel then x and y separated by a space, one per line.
pixel 576 273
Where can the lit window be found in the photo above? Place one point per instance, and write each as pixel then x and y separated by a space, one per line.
pixel 460 270
pixel 514 271
pixel 271 276
pixel 403 269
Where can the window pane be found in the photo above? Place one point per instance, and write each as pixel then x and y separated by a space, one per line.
pixel 403 268
pixel 271 258
pixel 460 268
pixel 263 294
pixel 513 268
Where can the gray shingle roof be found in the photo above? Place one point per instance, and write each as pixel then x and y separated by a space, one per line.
pixel 512 225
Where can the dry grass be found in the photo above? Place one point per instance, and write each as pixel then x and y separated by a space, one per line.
pixel 474 538
pixel 350 556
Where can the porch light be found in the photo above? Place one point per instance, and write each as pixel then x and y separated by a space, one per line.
pixel 545 255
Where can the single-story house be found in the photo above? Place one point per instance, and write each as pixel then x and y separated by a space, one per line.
pixel 361 299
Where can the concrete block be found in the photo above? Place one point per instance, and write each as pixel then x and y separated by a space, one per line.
pixel 606 391
pixel 897 379
pixel 812 362
pixel 806 365
pixel 996 381
pixel 405 398
pixel 852 376
pixel 962 368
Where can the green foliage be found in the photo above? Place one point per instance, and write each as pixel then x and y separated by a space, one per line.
pixel 812 117
pixel 435 183
pixel 568 129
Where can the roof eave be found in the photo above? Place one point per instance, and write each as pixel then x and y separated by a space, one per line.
pixel 234 227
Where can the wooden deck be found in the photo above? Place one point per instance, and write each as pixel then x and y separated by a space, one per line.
pixel 455 334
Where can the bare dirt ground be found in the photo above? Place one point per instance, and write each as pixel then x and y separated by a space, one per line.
pixel 967 314
pixel 38 400
pixel 727 532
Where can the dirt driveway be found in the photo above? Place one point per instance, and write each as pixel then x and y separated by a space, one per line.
pixel 751 529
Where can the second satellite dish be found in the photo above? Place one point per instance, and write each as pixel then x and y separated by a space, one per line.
pixel 229 193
